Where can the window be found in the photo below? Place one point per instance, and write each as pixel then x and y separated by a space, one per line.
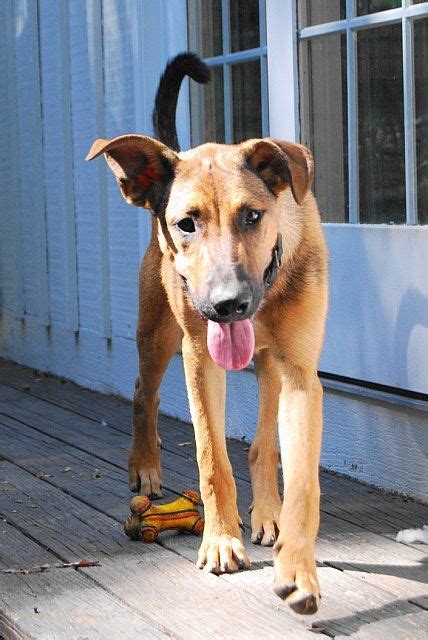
pixel 364 107
pixel 230 35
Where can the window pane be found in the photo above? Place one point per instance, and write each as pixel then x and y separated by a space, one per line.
pixel 323 116
pixel 311 12
pixel 204 27
pixel 246 101
pixel 244 24
pixel 207 109
pixel 421 99
pixel 371 6
pixel 381 125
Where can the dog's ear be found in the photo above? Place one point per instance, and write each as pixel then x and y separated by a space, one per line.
pixel 142 166
pixel 281 164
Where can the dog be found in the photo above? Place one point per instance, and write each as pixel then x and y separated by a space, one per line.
pixel 237 268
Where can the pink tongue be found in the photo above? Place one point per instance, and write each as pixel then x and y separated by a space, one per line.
pixel 231 345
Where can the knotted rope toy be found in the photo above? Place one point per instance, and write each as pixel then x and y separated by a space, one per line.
pixel 148 520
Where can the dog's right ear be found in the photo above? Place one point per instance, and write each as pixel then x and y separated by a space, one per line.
pixel 143 167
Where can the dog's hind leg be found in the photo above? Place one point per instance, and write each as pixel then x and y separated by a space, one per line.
pixel 158 337
pixel 263 456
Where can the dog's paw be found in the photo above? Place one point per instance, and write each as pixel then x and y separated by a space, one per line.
pixel 296 580
pixel 222 554
pixel 145 477
pixel 265 522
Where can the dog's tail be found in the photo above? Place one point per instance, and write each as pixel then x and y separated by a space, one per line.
pixel 185 64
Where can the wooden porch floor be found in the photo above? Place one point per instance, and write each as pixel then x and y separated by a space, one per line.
pixel 64 497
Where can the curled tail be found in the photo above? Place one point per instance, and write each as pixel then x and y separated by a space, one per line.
pixel 185 64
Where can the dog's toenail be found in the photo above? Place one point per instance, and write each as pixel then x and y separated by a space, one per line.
pixel 272 539
pixel 305 606
pixel 283 591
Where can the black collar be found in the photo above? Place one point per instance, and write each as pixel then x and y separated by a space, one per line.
pixel 272 270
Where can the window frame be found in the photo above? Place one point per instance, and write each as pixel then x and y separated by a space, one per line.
pixel 228 58
pixel 281 16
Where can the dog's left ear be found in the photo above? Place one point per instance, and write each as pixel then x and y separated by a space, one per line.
pixel 281 164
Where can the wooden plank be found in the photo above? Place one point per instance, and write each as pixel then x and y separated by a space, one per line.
pixel 345 547
pixel 52 603
pixel 72 529
pixel 342 545
pixel 376 511
pixel 31 173
pixel 31 412
pixel 72 470
pixel 333 583
pixel 411 626
pixel 348 604
pixel 9 393
pixel 379 511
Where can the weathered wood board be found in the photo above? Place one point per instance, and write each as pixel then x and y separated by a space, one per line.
pixel 64 496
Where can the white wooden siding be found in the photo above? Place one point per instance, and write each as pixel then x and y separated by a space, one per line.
pixel 119 102
pixel 12 284
pixel 58 163
pixel 30 152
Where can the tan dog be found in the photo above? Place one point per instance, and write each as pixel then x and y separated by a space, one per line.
pixel 213 279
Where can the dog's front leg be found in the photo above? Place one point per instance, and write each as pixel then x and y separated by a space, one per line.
pixel 263 457
pixel 221 549
pixel 300 426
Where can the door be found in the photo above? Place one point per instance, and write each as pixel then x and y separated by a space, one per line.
pixel 360 105
pixel 348 79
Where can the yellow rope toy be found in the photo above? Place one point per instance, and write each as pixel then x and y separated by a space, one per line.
pixel 148 520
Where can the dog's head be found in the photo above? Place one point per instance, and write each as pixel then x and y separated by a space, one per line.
pixel 217 209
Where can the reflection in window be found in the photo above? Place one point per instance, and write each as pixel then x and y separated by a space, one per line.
pixel 244 25
pixel 312 12
pixel 207 109
pixel 381 125
pixel 204 26
pixel 246 101
pixel 323 120
pixel 371 6
pixel 231 37
pixel 421 116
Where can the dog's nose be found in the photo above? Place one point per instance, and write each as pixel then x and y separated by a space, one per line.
pixel 232 306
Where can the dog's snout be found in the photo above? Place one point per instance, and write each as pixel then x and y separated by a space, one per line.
pixel 229 303
pixel 232 306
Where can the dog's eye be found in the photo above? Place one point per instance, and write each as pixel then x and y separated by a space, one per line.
pixel 187 225
pixel 252 216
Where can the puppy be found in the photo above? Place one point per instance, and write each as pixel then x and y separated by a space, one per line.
pixel 236 269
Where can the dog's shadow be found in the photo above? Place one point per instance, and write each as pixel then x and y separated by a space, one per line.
pixel 350 624
pixel 413 605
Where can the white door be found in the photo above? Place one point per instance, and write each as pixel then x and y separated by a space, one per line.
pixel 348 79
pixel 354 76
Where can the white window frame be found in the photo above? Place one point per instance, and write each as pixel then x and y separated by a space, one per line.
pixel 283 37
pixel 229 58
